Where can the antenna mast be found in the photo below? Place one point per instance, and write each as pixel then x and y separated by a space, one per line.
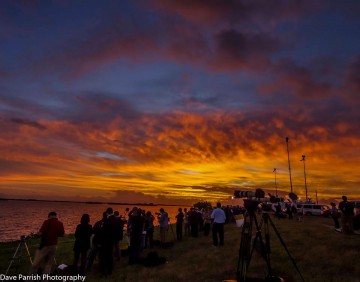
pixel 275 182
pixel 306 190
pixel 287 147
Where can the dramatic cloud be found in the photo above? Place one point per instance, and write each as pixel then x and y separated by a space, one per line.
pixel 178 100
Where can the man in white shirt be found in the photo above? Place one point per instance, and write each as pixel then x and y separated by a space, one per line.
pixel 218 218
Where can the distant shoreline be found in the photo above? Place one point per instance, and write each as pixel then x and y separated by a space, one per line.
pixel 93 202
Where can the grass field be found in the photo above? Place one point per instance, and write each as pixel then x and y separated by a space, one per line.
pixel 320 253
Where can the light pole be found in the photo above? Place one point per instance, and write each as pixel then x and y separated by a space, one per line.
pixel 287 147
pixel 306 191
pixel 274 171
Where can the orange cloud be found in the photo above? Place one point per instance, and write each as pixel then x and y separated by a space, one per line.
pixel 171 154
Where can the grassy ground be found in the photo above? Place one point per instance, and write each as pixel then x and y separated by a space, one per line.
pixel 320 253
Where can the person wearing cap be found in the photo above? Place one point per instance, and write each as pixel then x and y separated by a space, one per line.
pixel 49 232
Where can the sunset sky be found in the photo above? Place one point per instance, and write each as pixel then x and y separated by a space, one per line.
pixel 170 101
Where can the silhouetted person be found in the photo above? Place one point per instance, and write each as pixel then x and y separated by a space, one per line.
pixel 186 222
pixel 219 218
pixel 335 216
pixel 179 224
pixel 96 240
pixel 163 220
pixel 50 230
pixel 118 229
pixel 138 225
pixel 149 228
pixel 194 228
pixel 278 212
pixel 289 211
pixel 83 233
pixel 107 244
pixel 347 216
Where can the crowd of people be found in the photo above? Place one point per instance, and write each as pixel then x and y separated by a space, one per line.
pixel 343 216
pixel 102 240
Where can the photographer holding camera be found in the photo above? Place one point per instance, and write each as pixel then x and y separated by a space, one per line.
pixel 163 220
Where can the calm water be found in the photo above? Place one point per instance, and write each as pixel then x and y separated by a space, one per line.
pixel 24 217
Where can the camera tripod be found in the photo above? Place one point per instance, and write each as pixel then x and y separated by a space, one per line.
pixel 246 251
pixel 19 253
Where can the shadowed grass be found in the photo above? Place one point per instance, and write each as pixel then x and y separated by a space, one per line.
pixel 321 255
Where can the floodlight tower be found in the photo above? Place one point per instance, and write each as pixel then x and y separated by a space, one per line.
pixel 274 171
pixel 306 191
pixel 287 147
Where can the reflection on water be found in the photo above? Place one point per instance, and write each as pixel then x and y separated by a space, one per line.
pixel 24 217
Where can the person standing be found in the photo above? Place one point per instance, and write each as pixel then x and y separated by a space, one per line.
pixel 96 240
pixel 149 228
pixel 50 231
pixel 194 228
pixel 186 222
pixel 347 215
pixel 218 217
pixel 335 216
pixel 163 220
pixel 118 233
pixel 179 224
pixel 207 221
pixel 138 225
pixel 83 233
pixel 107 244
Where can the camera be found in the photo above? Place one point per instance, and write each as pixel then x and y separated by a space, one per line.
pixel 25 237
pixel 258 195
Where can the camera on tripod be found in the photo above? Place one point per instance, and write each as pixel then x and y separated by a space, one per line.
pixel 252 199
pixel 257 195
pixel 25 237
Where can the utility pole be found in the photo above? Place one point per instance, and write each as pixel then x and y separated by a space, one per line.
pixel 306 191
pixel 287 147
pixel 275 182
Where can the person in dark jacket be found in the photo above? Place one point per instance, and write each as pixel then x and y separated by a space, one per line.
pixel 82 242
pixel 107 240
pixel 179 224
pixel 138 225
pixel 149 228
pixel 347 215
pixel 96 240
pixel 118 227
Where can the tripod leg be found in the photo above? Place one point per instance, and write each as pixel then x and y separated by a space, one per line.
pixel 265 247
pixel 244 250
pixel 286 249
pixel 28 252
pixel 13 258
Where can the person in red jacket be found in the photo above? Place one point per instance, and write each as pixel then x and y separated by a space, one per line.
pixel 50 230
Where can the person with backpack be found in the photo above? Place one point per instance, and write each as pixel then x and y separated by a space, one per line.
pixel 347 215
